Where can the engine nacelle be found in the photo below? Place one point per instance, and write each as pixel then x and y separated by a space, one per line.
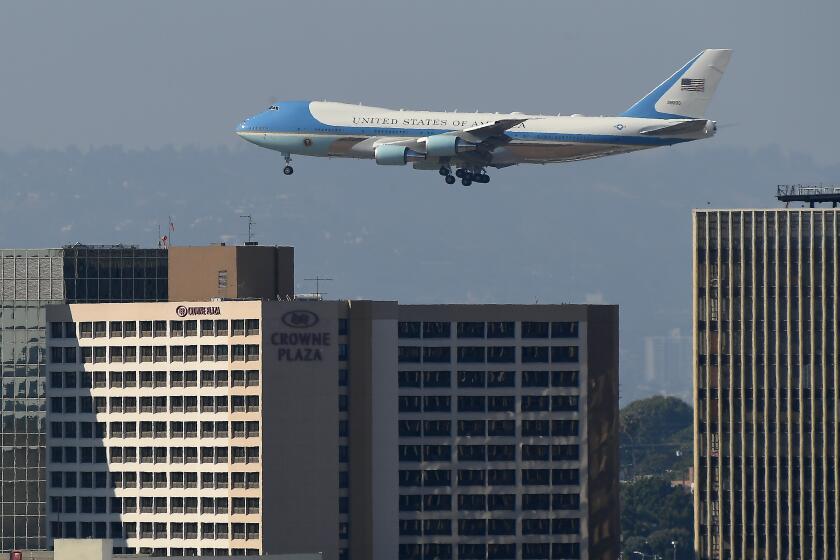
pixel 447 145
pixel 395 155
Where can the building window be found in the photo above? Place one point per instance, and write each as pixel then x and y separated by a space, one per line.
pixel 504 428
pixel 565 378
pixel 342 327
pixel 535 379
pixel 437 478
pixel 472 502
pixel 534 354
pixel 436 379
pixel 436 329
pixel 409 477
pixel 564 329
pixel 437 403
pixel 471 428
pixel 501 329
pixel 343 352
pixel 408 329
pixel 56 329
pixel 564 354
pixel 471 403
pixel 437 428
pixel 501 354
pixel 409 378
pixel 564 403
pixel 501 403
pixel 535 452
pixel 471 354
pixel 437 354
pixel 501 379
pixel 531 329
pixel 471 329
pixel 408 354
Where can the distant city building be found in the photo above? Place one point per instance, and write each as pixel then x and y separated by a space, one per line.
pixel 31 279
pixel 360 429
pixel 765 288
pixel 668 364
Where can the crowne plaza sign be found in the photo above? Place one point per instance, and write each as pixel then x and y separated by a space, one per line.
pixel 300 344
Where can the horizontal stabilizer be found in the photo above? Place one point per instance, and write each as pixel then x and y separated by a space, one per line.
pixel 688 127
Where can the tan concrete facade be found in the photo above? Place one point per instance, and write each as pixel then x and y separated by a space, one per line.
pixel 230 271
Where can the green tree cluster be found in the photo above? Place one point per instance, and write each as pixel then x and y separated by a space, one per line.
pixel 653 515
pixel 656 438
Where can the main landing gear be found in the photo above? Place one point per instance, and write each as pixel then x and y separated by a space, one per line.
pixel 288 170
pixel 467 176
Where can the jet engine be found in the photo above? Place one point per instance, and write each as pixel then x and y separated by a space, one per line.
pixel 390 154
pixel 446 145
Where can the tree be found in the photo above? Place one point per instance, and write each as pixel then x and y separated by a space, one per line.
pixel 656 438
pixel 653 514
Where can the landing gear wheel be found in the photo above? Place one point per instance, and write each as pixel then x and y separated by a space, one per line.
pixel 450 180
pixel 483 178
pixel 445 171
pixel 288 170
pixel 459 173
pixel 466 181
pixel 469 175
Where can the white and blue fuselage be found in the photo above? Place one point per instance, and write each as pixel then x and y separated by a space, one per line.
pixel 670 114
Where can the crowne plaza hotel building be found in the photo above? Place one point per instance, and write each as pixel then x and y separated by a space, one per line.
pixel 360 429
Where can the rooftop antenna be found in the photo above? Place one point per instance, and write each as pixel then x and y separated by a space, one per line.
pixel 318 280
pixel 250 224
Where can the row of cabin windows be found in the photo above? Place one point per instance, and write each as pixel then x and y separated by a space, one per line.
pixel 153 379
pixel 494 403
pixel 489 477
pixel 494 527
pixel 131 354
pixel 482 379
pixel 491 329
pixel 204 327
pixel 442 452
pixel 488 354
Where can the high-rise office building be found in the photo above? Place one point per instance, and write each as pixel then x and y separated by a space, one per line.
pixel 765 286
pixel 360 429
pixel 31 279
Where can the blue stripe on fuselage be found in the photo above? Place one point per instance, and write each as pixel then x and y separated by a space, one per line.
pixel 295 117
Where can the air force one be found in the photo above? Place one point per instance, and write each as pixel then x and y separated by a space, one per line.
pixel 473 142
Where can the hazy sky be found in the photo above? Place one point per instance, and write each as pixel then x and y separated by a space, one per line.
pixel 157 73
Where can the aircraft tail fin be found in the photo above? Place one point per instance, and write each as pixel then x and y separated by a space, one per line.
pixel 686 94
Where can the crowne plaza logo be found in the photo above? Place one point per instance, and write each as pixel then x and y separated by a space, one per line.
pixel 300 319
pixel 184 311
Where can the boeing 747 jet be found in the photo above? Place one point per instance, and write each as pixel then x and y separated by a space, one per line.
pixel 473 142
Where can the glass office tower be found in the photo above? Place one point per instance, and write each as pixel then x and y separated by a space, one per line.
pixel 31 279
pixel 765 383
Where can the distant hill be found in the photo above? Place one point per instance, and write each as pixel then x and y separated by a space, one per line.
pixel 615 230
pixel 656 438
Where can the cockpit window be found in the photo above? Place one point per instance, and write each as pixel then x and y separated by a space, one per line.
pixel 274 108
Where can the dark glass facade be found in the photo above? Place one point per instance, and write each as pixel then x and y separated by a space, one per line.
pixel 31 279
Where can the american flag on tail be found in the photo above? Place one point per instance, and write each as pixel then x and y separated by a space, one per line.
pixel 693 84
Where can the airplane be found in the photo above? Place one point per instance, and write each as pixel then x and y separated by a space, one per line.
pixel 473 142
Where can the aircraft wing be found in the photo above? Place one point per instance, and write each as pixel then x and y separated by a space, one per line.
pixel 687 127
pixel 488 130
